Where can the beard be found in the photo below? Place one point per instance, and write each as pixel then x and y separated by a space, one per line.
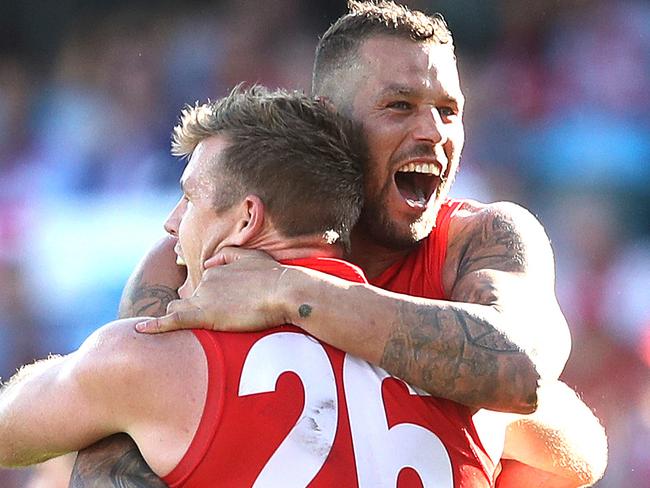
pixel 376 222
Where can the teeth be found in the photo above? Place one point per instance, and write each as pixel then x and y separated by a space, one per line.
pixel 180 261
pixel 430 169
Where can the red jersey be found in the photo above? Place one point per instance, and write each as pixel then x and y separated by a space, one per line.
pixel 286 410
pixel 420 274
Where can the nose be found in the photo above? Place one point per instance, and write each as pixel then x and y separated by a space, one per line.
pixel 174 218
pixel 430 127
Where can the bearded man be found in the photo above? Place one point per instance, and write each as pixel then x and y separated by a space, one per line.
pixel 461 298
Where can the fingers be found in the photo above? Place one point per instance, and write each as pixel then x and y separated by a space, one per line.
pixel 228 255
pixel 181 315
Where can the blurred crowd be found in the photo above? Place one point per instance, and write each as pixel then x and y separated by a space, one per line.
pixel 558 120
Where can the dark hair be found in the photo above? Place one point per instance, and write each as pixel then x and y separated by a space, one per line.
pixel 338 47
pixel 300 157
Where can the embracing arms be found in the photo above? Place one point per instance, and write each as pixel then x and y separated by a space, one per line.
pixel 62 404
pixel 116 460
pixel 117 381
pixel 486 348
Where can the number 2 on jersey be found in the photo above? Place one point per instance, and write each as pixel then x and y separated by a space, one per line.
pixel 380 451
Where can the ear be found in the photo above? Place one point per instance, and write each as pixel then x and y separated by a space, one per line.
pixel 249 223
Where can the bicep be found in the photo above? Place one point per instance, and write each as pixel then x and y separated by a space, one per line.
pixel 46 411
pixel 508 264
pixel 154 283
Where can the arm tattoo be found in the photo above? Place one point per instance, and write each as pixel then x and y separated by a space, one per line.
pixel 496 244
pixel 455 351
pixel 113 462
pixel 439 349
pixel 145 299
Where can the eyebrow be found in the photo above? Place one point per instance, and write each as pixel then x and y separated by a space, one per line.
pixel 396 89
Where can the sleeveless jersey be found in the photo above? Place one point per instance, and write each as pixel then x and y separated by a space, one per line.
pixel 420 274
pixel 285 410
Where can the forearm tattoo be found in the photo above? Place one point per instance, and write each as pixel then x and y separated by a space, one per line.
pixel 113 462
pixel 450 353
pixel 456 352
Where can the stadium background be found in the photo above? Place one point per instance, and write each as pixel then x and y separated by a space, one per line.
pixel 558 119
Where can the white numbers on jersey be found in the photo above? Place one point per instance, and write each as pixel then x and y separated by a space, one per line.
pixel 380 451
pixel 304 451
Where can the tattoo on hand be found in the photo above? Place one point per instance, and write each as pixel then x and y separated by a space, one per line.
pixel 304 310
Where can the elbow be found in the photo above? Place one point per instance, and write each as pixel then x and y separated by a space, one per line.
pixel 520 385
pixel 526 398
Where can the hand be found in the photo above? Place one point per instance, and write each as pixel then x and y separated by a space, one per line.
pixel 239 291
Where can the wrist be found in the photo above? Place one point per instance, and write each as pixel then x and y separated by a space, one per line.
pixel 292 296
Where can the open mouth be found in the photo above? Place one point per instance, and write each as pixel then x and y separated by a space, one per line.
pixel 417 182
pixel 179 258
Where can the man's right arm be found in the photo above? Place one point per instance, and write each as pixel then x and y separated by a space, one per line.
pixel 116 460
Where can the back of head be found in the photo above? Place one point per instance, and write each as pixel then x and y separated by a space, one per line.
pixel 295 153
pixel 338 48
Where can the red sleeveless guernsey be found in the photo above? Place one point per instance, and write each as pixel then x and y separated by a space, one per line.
pixel 420 272
pixel 285 410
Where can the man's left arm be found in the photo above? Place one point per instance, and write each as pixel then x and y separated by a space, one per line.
pixel 113 462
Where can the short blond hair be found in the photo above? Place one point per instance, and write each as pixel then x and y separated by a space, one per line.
pixel 300 157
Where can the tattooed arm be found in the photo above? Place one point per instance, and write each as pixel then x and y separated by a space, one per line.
pixel 116 460
pixel 487 348
pixel 504 327
pixel 113 462
pixel 154 282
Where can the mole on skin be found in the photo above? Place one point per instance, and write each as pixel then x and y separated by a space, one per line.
pixel 304 310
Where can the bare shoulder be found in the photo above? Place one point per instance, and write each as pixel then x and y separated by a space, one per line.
pixel 502 236
pixel 122 355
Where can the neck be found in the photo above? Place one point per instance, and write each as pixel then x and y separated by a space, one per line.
pixel 281 248
pixel 371 257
